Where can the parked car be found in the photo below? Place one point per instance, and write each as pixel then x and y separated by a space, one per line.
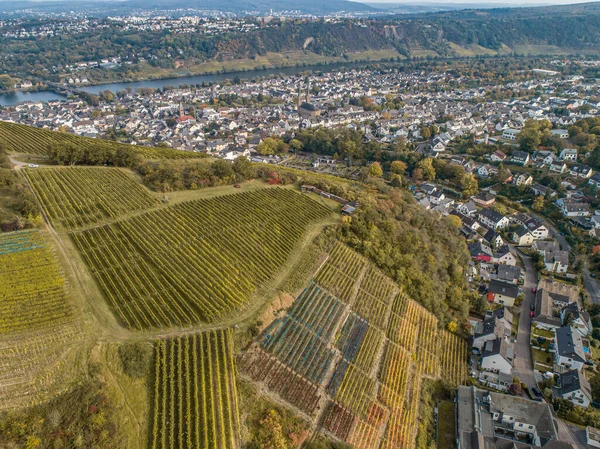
pixel 537 392
pixel 534 290
pixel 33 165
pixel 531 314
pixel 532 307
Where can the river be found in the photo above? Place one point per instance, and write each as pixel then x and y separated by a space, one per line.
pixel 10 99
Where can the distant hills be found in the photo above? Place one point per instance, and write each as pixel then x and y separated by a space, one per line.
pixel 547 30
pixel 315 7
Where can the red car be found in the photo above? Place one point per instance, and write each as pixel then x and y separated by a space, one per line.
pixel 533 290
pixel 531 314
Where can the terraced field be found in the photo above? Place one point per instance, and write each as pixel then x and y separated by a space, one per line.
pixel 38 330
pixel 30 140
pixel 196 262
pixel 195 393
pixel 352 352
pixel 80 196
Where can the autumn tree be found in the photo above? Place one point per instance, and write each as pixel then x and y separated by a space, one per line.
pixel 295 145
pixel 538 203
pixel 398 167
pixel 425 132
pixel 469 185
pixel 529 139
pixel 455 220
pixel 375 170
pixel 267 147
pixel 426 168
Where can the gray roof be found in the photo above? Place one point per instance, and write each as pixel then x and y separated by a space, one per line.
pixel 569 344
pixel 503 288
pixel 491 215
pixel 476 424
pixel 508 273
pixel 569 382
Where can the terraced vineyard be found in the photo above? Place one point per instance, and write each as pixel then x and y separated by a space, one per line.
pixel 196 262
pixel 195 394
pixel 38 333
pixel 80 196
pixel 352 352
pixel 29 140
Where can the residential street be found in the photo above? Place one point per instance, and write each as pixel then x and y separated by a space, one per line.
pixel 523 367
pixel 592 286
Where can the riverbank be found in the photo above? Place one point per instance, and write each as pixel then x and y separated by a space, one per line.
pixel 270 61
pixel 270 64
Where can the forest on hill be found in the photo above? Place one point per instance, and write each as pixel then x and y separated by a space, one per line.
pixel 544 30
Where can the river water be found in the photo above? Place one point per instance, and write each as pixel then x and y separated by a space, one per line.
pixel 10 99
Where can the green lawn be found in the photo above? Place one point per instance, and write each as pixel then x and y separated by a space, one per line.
pixel 542 332
pixel 515 323
pixel 541 356
pixel 446 425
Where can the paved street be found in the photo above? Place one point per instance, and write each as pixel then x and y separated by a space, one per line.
pixel 592 286
pixel 523 368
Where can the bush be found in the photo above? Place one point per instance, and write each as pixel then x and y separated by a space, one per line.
pixel 135 358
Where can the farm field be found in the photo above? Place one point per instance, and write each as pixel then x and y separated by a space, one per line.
pixel 38 329
pixel 351 354
pixel 198 261
pixel 32 288
pixel 80 196
pixel 29 140
pixel 195 393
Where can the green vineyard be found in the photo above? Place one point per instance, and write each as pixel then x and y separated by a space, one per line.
pixel 29 140
pixel 195 393
pixel 352 352
pixel 38 331
pixel 196 262
pixel 80 196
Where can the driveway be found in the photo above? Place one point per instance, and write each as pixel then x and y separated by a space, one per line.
pixel 523 366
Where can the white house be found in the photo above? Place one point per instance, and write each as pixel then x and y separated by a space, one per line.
pixel 522 236
pixel 510 134
pixel 498 156
pixel 501 292
pixel 556 261
pixel 497 356
pixel 574 387
pixel 568 154
pixel 569 348
pixel 537 229
pixel 561 133
pixel 573 209
pixel 493 219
